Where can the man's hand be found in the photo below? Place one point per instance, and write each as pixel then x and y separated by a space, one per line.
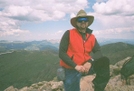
pixel 87 67
pixel 80 68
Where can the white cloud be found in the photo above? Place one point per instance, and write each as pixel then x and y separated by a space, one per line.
pixel 41 10
pixel 72 15
pixel 59 32
pixel 43 35
pixel 122 7
pixel 116 18
pixel 117 33
pixel 15 12
pixel 101 0
pixel 13 32
pixel 114 21
pixel 56 35
pixel 10 27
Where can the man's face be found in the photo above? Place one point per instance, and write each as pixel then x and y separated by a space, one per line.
pixel 82 23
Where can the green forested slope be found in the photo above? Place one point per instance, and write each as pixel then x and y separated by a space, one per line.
pixel 22 68
pixel 117 51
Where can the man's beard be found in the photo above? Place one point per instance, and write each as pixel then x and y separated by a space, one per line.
pixel 82 27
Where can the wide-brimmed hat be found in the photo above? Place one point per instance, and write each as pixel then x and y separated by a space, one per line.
pixel 82 13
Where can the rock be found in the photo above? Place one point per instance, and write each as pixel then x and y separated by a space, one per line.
pixel 56 85
pixel 86 83
pixel 11 88
pixel 24 89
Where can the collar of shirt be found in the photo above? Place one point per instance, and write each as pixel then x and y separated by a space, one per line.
pixel 84 34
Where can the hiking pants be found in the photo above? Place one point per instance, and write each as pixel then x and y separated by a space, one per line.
pixel 72 79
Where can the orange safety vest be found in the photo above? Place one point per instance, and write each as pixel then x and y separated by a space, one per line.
pixel 78 49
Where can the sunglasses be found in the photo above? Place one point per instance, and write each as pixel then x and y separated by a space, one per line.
pixel 85 19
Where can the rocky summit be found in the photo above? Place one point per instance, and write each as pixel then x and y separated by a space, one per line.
pixel 115 82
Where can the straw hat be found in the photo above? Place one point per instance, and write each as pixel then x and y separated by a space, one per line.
pixel 82 13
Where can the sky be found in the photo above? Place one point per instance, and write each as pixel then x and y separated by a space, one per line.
pixel 28 20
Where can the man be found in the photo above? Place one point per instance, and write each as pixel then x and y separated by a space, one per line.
pixel 74 51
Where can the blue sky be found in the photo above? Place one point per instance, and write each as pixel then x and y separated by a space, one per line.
pixel 48 19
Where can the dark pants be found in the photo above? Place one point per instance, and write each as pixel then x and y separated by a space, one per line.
pixel 72 79
pixel 100 67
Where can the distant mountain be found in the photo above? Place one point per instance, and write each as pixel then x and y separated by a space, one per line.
pixel 31 45
pixel 48 44
pixel 104 41
pixel 54 41
pixel 117 51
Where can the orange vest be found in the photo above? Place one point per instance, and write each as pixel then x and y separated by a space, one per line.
pixel 78 49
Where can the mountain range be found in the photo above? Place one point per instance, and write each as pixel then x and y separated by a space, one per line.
pixel 6 46
pixel 21 66
pixel 46 44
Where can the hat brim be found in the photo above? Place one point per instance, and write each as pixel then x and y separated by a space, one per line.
pixel 90 20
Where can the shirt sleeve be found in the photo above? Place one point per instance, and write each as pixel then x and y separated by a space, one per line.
pixel 97 51
pixel 63 50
